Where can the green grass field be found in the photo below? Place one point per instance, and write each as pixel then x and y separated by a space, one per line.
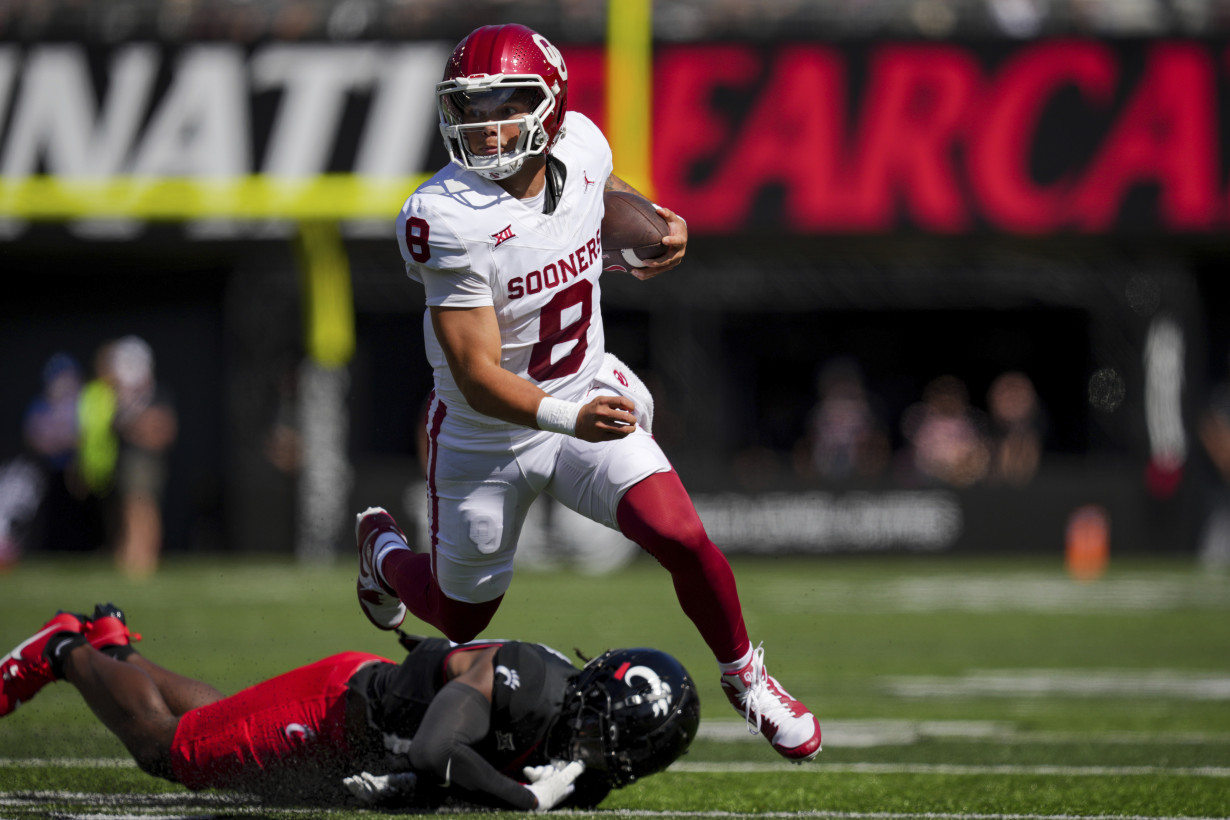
pixel 946 688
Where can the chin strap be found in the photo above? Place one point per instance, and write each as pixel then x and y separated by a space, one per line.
pixel 556 174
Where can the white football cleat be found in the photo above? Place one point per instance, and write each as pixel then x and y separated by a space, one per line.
pixel 769 709
pixel 380 603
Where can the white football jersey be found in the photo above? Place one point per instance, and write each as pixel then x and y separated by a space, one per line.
pixel 471 244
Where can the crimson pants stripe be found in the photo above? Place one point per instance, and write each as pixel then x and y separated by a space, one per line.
pixel 436 420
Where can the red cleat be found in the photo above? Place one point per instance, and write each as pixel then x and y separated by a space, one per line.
pixel 109 627
pixel 24 671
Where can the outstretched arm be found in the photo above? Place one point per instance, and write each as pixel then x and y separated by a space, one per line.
pixel 459 717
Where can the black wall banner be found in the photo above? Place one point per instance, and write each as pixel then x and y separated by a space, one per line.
pixel 217 110
pixel 1035 137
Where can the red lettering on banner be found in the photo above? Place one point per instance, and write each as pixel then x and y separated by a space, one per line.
pixel 1165 136
pixel 687 80
pixel 1003 132
pixel 917 103
pixel 945 138
pixel 791 137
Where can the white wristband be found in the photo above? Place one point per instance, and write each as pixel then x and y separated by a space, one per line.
pixel 558 416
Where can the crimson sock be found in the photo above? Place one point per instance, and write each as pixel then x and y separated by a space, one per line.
pixel 409 573
pixel 659 516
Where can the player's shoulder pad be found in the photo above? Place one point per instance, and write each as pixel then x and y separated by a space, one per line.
pixel 576 122
pixel 531 661
pixel 585 147
pixel 429 223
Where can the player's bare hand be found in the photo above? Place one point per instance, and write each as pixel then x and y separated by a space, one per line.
pixel 676 246
pixel 606 418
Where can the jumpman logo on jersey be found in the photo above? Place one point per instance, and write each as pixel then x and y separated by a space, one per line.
pixel 503 236
pixel 588 181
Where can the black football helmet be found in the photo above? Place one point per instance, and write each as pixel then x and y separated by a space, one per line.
pixel 630 713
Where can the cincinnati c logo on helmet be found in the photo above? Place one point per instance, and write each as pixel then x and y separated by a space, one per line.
pixel 297 731
pixel 660 690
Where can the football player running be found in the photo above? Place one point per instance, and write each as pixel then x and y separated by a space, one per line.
pixel 501 724
pixel 506 242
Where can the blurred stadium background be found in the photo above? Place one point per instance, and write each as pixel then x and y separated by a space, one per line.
pixel 899 209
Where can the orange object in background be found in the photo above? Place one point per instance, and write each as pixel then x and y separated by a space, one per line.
pixel 1088 542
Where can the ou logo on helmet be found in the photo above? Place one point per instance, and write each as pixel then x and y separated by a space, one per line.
pixel 552 55
pixel 661 697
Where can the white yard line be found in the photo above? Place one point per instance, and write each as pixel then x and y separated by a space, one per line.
pixel 858 815
pixel 1068 683
pixel 1008 592
pixel 850 734
pixel 177 807
pixel 949 769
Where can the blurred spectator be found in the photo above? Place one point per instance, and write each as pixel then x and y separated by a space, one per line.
pixel 1016 429
pixel 1018 18
pixel 50 426
pixel 283 445
pixel 1214 429
pixel 846 436
pixel 128 423
pixel 66 519
pixel 35 498
pixel 21 487
pixel 946 438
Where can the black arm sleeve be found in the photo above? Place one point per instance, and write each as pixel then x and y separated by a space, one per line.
pixel 459 717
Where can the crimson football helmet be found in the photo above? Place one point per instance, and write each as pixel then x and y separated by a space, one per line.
pixel 493 68
pixel 630 713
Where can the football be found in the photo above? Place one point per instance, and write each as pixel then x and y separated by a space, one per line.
pixel 632 231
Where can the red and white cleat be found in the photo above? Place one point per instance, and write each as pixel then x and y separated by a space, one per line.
pixel 24 671
pixel 769 709
pixel 373 528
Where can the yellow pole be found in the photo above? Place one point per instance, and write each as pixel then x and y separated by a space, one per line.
pixel 327 293
pixel 629 90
